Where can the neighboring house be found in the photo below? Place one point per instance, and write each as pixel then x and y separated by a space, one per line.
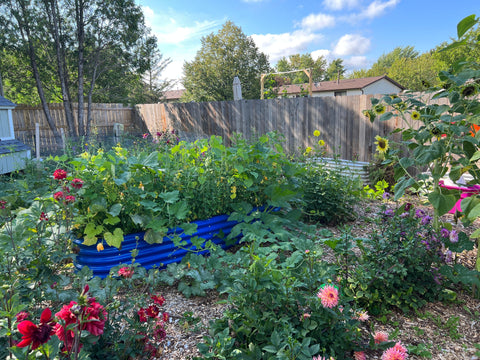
pixel 13 153
pixel 371 85
pixel 171 96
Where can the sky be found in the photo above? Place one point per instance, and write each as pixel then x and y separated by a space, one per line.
pixel 358 31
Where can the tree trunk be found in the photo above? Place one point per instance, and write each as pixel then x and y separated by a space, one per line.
pixel 90 93
pixel 51 7
pixel 79 8
pixel 1 85
pixel 26 35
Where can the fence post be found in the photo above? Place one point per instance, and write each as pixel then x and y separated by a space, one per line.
pixel 37 141
pixel 62 132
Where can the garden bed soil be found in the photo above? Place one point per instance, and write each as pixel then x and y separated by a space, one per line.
pixel 446 331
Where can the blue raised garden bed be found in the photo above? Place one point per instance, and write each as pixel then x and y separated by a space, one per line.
pixel 214 229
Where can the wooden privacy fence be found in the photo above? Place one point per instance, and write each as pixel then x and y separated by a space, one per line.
pixel 104 116
pixel 344 128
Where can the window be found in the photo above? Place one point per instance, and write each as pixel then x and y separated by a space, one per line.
pixel 5 125
pixel 340 93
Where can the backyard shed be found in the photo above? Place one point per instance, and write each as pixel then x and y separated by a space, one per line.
pixel 13 153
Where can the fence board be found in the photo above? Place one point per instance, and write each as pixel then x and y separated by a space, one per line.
pixel 344 128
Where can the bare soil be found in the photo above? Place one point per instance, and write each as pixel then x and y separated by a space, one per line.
pixel 443 331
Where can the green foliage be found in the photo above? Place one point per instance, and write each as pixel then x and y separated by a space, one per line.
pixel 404 263
pixel 328 196
pixel 274 310
pixel 222 56
pixel 335 70
pixel 299 62
pixel 378 193
pixel 152 191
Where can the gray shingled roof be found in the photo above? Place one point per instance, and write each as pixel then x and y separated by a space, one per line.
pixel 6 103
pixel 343 84
pixel 10 146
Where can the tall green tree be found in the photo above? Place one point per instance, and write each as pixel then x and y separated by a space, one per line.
pixel 418 73
pixel 335 70
pixel 222 56
pixel 385 61
pixel 299 62
pixel 75 51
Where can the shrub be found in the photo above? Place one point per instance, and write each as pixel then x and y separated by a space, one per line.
pixel 403 263
pixel 328 196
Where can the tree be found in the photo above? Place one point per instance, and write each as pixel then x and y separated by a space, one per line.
pixel 222 56
pixel 78 47
pixel 384 62
pixel 418 73
pixel 335 70
pixel 299 62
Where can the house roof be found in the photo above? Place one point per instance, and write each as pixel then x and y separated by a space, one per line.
pixel 11 146
pixel 6 103
pixel 336 85
pixel 173 94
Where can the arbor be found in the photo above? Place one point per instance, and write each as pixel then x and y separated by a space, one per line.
pixel 299 62
pixel 75 51
pixel 223 56
pixel 335 70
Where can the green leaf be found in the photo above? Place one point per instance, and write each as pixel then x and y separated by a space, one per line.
pixel 475 156
pixel 90 234
pixel 115 209
pixel 443 203
pixel 386 116
pixel 402 185
pixel 111 220
pixel 114 239
pixel 465 24
pixel 170 197
pixel 179 210
pixel 153 237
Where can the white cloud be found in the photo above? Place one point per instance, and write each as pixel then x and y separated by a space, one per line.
pixel 327 54
pixel 315 22
pixel 340 4
pixel 277 46
pixel 178 34
pixel 378 8
pixel 357 62
pixel 351 44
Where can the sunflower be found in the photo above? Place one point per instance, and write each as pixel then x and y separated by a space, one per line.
pixel 321 143
pixel 415 115
pixel 316 133
pixel 379 109
pixel 382 144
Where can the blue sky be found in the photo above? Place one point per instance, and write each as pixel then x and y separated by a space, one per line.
pixel 358 31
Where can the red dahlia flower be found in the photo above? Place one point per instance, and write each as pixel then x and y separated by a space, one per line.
pixel 36 335
pixel 58 195
pixel 77 183
pixel 59 174
pixel 159 300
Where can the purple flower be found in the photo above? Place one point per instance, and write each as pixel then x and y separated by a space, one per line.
pixel 419 213
pixel 426 220
pixel 408 206
pixel 453 236
pixel 386 195
pixel 404 215
pixel 426 243
pixel 448 256
pixel 445 233
pixel 389 213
